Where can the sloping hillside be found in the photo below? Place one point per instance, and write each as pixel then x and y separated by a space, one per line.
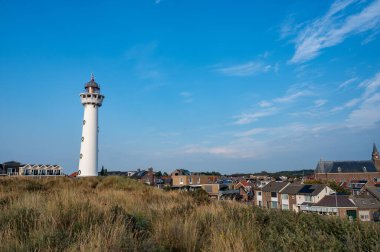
pixel 117 214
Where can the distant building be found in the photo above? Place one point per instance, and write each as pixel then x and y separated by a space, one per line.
pixel 144 176
pixel 347 172
pixel 269 195
pixel 341 205
pixel 13 168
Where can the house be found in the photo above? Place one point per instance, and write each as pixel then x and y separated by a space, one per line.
pixel 348 171
pixel 146 177
pixel 269 195
pixel 184 178
pixel 309 194
pixel 368 208
pixel 13 168
pixel 340 205
pixel 180 172
pixel 289 197
pixel 373 191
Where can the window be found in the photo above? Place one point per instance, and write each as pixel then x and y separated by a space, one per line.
pixel 84 122
pixel 273 194
pixel 260 203
pixel 274 204
pixel 259 193
pixel 181 181
pixel 284 196
pixel 308 198
pixel 285 207
pixel 80 156
pixel 339 169
pixel 82 139
pixel 190 180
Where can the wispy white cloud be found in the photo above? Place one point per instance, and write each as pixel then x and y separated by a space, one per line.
pixel 367 114
pixel 320 102
pixel 265 104
pixel 333 28
pixel 364 114
pixel 246 118
pixel 187 97
pixel 370 85
pixel 270 108
pixel 293 96
pixel 251 132
pixel 347 82
pixel 347 105
pixel 246 69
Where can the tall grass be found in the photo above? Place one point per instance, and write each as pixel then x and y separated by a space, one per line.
pixel 118 214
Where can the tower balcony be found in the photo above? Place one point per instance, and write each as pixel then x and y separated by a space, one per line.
pixel 92 98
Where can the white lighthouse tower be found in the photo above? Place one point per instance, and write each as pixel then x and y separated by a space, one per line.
pixel 91 100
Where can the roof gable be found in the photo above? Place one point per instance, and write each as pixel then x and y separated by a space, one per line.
pixel 274 186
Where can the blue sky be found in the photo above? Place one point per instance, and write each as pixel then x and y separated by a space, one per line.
pixel 229 86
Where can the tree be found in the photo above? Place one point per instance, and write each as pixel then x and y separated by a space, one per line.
pixel 158 174
pixel 103 172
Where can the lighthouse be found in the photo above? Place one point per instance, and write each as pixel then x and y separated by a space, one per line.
pixel 88 157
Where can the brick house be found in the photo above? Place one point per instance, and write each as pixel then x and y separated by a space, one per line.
pixel 269 195
pixel 348 171
pixel 340 205
pixel 289 197
pixel 368 208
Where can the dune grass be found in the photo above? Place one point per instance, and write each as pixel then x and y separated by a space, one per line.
pixel 118 214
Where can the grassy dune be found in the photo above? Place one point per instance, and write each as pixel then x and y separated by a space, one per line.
pixel 117 214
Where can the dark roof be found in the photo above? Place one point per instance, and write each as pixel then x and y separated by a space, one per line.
pixel 292 189
pixel 335 200
pixel 12 163
pixel 374 190
pixel 312 190
pixel 181 172
pixel 92 83
pixel 345 166
pixel 139 174
pixel 366 202
pixel 274 186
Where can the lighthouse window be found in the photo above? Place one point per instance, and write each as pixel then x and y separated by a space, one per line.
pixel 80 156
pixel 82 139
pixel 84 122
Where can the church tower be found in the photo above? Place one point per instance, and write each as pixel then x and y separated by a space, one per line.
pixel 375 157
pixel 88 158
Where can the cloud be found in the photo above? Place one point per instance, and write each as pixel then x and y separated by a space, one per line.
pixel 251 132
pixel 333 28
pixel 293 96
pixel 367 115
pixel 348 104
pixel 157 1
pixel 370 85
pixel 270 108
pixel 247 69
pixel 187 97
pixel 347 82
pixel 246 118
pixel 320 103
pixel 265 104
